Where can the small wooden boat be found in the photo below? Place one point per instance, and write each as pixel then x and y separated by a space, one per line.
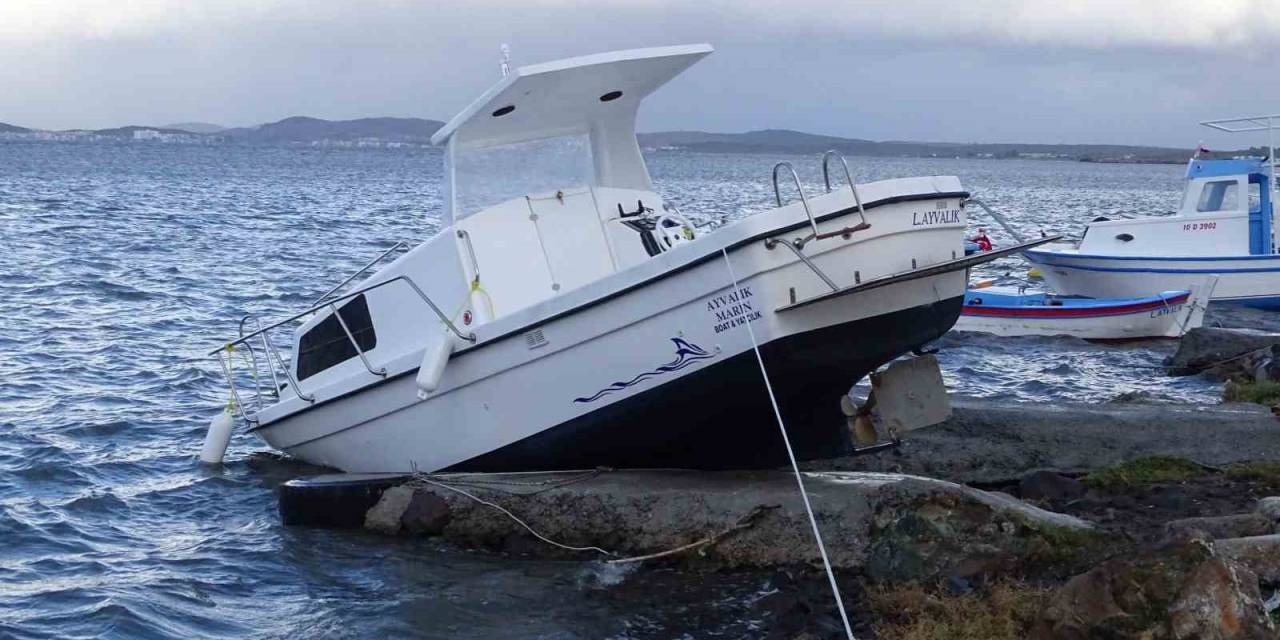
pixel 1012 313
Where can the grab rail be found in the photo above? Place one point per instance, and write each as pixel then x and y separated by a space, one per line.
pixel 999 218
pixel 777 195
pixel 262 333
pixel 399 245
pixel 826 179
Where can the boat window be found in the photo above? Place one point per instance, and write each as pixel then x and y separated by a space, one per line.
pixel 1219 195
pixel 1255 196
pixel 486 176
pixel 326 344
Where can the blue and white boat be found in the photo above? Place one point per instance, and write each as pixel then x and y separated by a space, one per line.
pixel 1008 312
pixel 1225 227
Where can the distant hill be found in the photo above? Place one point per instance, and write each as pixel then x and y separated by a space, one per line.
pixel 786 141
pixel 304 129
pixel 127 132
pixel 417 131
pixel 196 127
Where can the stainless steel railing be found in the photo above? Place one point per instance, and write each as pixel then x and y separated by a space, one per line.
pixel 845 232
pixel 399 245
pixel 777 194
pixel 276 362
pixel 848 176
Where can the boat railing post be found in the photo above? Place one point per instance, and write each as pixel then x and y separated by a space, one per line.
pixel 366 267
pixel 1000 219
pixel 343 323
pixel 225 363
pixel 848 175
pixel 293 380
pixel 772 242
pixel 266 348
pixel 777 196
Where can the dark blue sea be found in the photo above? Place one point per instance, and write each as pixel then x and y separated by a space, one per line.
pixel 122 265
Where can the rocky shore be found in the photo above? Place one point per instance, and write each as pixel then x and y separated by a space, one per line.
pixel 1116 520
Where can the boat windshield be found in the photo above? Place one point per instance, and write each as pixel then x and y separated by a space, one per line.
pixel 485 176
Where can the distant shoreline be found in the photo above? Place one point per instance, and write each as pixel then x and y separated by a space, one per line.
pixel 416 132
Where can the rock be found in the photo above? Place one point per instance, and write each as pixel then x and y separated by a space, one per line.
pixel 385 516
pixel 1047 485
pixel 1141 396
pixel 1260 554
pixel 895 527
pixel 1218 527
pixel 1182 591
pixel 1205 348
pixel 426 514
pixel 1269 508
pixel 1219 600
pixel 993 442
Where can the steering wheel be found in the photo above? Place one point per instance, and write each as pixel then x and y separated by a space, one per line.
pixel 678 232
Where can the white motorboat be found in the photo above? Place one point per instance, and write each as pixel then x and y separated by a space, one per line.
pixel 1225 227
pixel 567 316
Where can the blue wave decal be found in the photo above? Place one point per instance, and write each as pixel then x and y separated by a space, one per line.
pixel 687 353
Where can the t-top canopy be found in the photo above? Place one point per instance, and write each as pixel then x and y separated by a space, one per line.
pixel 541 100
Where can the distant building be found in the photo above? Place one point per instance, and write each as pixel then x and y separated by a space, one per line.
pixel 147 134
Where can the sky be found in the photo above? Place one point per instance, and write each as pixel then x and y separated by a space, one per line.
pixel 1051 71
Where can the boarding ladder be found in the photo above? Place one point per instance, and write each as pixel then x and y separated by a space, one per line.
pixel 797 245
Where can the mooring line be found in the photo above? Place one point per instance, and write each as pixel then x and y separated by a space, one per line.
pixel 795 468
pixel 744 522
pixel 422 478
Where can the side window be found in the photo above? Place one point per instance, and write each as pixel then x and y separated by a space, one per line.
pixel 1255 196
pixel 326 344
pixel 1219 195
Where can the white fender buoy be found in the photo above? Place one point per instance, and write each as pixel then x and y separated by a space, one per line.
pixel 438 349
pixel 217 438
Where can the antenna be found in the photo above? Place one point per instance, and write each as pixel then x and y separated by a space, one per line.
pixel 506 59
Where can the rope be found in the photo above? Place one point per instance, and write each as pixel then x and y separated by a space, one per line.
pixel 513 516
pixel 795 468
pixel 744 522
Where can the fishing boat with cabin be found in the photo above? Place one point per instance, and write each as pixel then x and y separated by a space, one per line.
pixel 1225 227
pixel 567 316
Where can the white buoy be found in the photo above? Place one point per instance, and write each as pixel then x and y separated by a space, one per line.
pixel 217 438
pixel 434 358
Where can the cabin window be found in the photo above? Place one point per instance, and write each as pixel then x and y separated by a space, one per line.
pixel 1255 196
pixel 485 176
pixel 1219 195
pixel 326 344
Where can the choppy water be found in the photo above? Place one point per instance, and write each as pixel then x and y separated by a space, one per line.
pixel 121 265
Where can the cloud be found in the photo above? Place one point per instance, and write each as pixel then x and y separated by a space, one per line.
pixel 1175 24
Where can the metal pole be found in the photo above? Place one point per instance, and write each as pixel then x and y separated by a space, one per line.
pixel 380 372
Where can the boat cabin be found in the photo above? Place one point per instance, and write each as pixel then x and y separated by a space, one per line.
pixel 546 191
pixel 546 186
pixel 1227 210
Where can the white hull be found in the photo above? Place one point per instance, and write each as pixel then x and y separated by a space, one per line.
pixel 1251 280
pixel 1169 321
pixel 504 391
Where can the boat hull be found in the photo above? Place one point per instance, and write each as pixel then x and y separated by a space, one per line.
pixel 1249 280
pixel 719 417
pixel 1167 316
pixel 664 375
